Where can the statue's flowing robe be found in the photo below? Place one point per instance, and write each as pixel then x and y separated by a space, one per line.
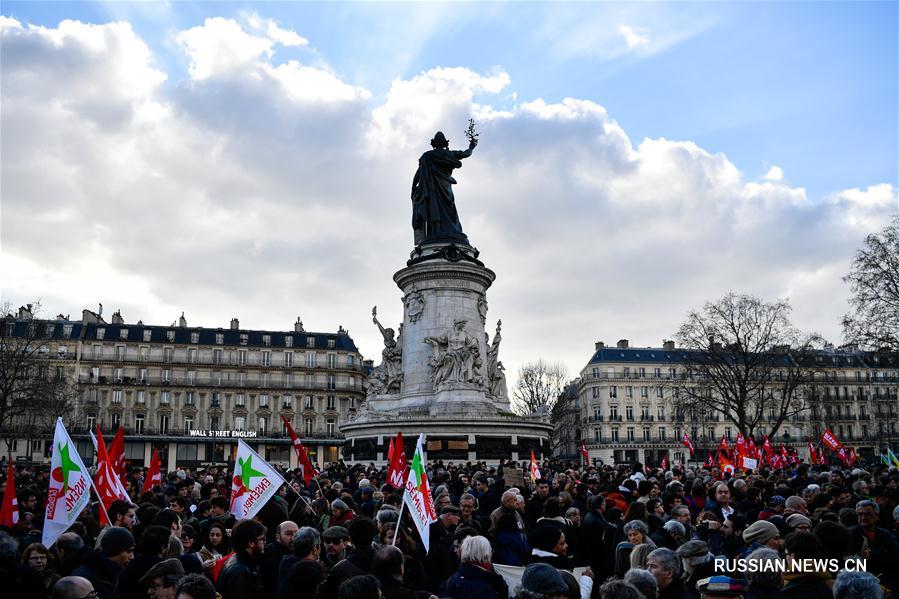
pixel 433 204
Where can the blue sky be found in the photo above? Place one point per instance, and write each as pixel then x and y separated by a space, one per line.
pixel 636 160
pixel 810 86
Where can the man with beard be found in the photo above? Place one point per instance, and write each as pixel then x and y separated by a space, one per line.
pixel 240 577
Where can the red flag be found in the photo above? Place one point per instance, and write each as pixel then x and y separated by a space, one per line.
pixel 812 456
pixel 9 512
pixel 219 566
pixel 302 455
pixel 853 457
pixel 535 471
pixel 722 447
pixel 831 440
pixel 397 470
pixel 105 479
pixel 665 463
pixel 725 464
pixel 585 453
pixel 709 461
pixel 843 455
pixel 390 451
pixel 784 456
pixel 154 476
pixel 117 452
pixel 741 446
pixel 688 444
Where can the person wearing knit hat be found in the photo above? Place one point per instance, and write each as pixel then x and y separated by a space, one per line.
pixel 543 579
pixel 799 522
pixel 762 533
pixel 116 540
pixel 103 567
pixel 549 547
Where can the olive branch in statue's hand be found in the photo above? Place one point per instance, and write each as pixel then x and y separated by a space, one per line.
pixel 471 134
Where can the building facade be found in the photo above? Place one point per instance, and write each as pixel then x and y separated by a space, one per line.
pixel 192 392
pixel 627 412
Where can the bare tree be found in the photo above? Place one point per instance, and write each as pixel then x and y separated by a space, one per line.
pixel 32 394
pixel 744 361
pixel 874 277
pixel 565 416
pixel 539 386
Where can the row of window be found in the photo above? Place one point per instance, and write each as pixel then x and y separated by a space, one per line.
pixel 641 372
pixel 217 356
pixel 219 378
pixel 240 400
pixel 147 336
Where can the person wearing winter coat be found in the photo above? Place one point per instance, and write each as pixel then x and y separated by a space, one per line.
pixel 475 578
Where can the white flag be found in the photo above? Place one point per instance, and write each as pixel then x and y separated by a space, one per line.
pixel 253 484
pixel 70 486
pixel 418 495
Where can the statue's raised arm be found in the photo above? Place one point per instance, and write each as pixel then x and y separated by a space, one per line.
pixel 434 215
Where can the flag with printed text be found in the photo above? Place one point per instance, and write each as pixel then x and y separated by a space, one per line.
pixel 417 496
pixel 69 490
pixel 253 484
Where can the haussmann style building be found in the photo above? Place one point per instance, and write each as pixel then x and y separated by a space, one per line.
pixel 626 414
pixel 192 392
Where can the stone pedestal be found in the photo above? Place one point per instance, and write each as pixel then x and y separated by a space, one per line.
pixel 445 383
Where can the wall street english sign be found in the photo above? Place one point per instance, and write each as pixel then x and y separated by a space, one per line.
pixel 213 434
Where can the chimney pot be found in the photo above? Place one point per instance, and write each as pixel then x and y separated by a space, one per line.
pixel 599 345
pixel 623 344
pixel 235 324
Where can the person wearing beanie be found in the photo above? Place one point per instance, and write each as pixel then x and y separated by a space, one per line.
pixel 799 522
pixel 762 533
pixel 104 565
pixel 549 547
pixel 775 507
pixel 697 562
pixel 543 580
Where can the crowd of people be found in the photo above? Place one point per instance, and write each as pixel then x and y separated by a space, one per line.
pixel 579 532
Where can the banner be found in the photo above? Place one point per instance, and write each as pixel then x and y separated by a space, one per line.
pixel 253 484
pixel 749 463
pixel 512 575
pixel 70 483
pixel 831 440
pixel 9 512
pixel 418 495
pixel 302 454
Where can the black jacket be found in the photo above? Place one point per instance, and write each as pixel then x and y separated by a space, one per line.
pixel 239 578
pixel 472 582
pixel 357 564
pixel 102 573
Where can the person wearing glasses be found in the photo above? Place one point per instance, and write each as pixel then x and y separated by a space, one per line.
pixel 74 587
pixel 240 578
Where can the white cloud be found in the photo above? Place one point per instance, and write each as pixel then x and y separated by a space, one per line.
pixel 775 173
pixel 271 29
pixel 634 37
pixel 267 190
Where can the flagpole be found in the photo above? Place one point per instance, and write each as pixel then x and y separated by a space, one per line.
pixel 400 518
